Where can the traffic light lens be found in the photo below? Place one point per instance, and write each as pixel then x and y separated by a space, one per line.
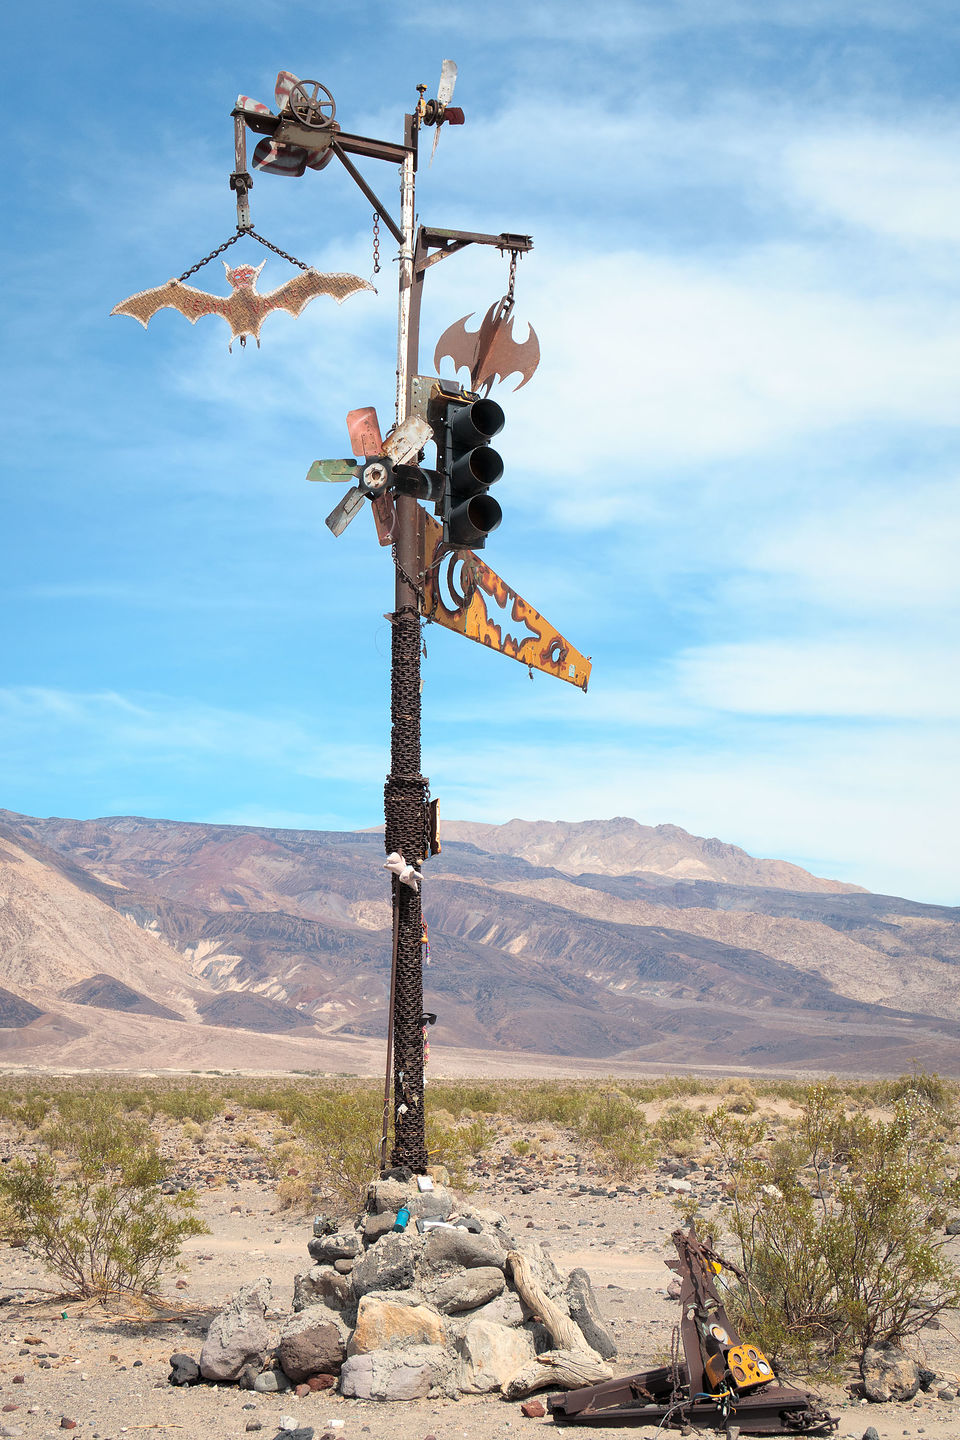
pixel 480 467
pixel 477 423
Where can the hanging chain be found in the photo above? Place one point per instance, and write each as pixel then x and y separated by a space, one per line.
pixel 232 241
pixel 376 242
pixel 415 585
pixel 511 284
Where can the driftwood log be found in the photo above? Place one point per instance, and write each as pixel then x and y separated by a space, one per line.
pixel 558 1370
pixel 564 1332
pixel 572 1363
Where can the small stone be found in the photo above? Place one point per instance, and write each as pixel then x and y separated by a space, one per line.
pixel 533 1409
pixel 321 1382
pixel 67 1424
pixel 252 1424
pixel 19 1380
pixel 301 1390
pixel 871 1433
pixel 9 1407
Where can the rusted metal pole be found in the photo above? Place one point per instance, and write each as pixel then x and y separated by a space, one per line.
pixel 405 792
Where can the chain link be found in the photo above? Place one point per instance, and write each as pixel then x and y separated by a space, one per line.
pixel 415 585
pixel 513 277
pixel 376 242
pixel 241 232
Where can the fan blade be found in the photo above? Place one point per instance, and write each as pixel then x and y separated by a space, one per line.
pixel 285 83
pixel 333 470
pixel 363 427
pixel 277 159
pixel 245 102
pixel 341 515
pixel 448 78
pixel 407 440
pixel 385 518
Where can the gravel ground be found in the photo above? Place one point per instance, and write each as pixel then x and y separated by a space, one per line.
pixel 66 1365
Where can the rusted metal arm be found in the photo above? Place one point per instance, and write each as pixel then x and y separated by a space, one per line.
pixel 361 184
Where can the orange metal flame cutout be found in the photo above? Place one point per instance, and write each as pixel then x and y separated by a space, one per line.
pixel 543 649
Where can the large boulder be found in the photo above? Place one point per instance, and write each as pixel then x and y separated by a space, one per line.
pixel 385 1325
pixel 322 1285
pixel 386 1197
pixel 388 1265
pixel 312 1343
pixel 325 1249
pixel 445 1249
pixel 586 1313
pixel 409 1374
pixel 239 1335
pixel 492 1354
pixel 465 1289
pixel 889 1373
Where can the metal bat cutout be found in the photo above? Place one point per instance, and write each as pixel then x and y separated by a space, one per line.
pixel 491 353
pixel 243 309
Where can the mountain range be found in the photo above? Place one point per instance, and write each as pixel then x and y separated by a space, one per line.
pixel 604 945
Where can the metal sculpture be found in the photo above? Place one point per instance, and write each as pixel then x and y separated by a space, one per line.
pixel 721 1382
pixel 243 309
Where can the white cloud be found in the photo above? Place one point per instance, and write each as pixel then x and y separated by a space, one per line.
pixel 871 553
pixel 896 182
pixel 107 731
pixel 830 677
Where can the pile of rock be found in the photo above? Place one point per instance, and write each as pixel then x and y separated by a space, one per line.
pixel 450 1304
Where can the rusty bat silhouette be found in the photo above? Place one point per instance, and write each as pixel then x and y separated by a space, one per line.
pixel 243 309
pixel 491 353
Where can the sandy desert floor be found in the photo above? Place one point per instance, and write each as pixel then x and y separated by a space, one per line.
pixel 67 1365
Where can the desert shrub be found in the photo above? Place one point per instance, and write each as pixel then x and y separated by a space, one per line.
pixel 89 1203
pixel 839 1226
pixel 678 1129
pixel 188 1104
pixel 339 1132
pixel 613 1123
pixel 939 1094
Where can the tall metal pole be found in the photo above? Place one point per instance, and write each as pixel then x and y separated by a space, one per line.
pixel 405 791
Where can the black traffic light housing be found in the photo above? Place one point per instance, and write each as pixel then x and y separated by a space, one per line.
pixel 463 427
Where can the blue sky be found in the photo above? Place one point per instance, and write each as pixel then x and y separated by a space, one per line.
pixel 733 480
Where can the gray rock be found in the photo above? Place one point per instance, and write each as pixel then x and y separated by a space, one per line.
pixel 466 1289
pixel 239 1335
pixel 291 1429
pixel 871 1433
pixel 312 1343
pixel 272 1382
pixel 443 1249
pixel 322 1285
pixel 953 1225
pixel 184 1370
pixel 492 1355
pixel 585 1312
pixel 388 1265
pixel 375 1227
pixel 325 1249
pixel 385 1197
pixel 889 1373
pixel 410 1374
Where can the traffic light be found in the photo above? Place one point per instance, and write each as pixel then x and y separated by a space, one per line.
pixel 463 429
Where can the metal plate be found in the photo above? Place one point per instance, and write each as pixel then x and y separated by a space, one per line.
pixel 469 583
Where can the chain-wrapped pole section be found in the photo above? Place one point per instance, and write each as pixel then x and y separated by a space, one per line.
pixel 405 792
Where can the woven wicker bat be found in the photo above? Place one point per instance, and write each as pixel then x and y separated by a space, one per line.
pixel 243 309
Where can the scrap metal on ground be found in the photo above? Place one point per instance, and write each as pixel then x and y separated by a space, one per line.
pixel 721 1381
